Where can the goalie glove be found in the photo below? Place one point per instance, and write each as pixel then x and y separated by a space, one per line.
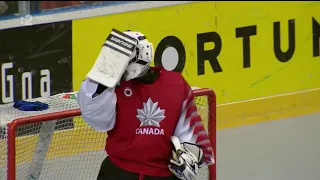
pixel 185 160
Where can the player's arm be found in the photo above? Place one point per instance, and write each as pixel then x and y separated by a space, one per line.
pixel 190 129
pixel 97 105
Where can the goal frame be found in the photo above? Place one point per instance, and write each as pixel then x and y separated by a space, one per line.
pixel 12 127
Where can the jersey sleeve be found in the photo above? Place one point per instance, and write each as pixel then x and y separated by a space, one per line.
pixel 190 128
pixel 98 110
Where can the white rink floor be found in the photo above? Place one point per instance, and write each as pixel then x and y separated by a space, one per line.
pixel 278 150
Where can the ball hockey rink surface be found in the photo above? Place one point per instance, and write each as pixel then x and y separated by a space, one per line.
pixel 285 149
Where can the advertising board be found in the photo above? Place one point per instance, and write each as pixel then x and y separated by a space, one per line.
pixel 242 50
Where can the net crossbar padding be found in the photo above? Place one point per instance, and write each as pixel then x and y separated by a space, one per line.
pixel 58 144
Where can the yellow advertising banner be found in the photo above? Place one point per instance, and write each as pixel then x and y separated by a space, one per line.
pixel 242 50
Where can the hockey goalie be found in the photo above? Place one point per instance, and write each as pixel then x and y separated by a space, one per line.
pixel 154 130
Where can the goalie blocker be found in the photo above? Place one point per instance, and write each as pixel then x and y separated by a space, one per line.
pixel 147 100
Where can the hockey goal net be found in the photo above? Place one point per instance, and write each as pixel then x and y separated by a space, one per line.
pixel 57 144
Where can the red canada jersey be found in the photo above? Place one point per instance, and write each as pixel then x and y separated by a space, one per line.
pixel 147 115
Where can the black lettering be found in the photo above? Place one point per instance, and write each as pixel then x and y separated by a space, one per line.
pixel 171 41
pixel 316 37
pixel 281 55
pixel 245 33
pixel 208 55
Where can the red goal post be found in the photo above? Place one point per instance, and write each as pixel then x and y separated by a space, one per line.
pixel 58 144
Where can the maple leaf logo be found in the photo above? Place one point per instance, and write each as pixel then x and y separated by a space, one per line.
pixel 150 114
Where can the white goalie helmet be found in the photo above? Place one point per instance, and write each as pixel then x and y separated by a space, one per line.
pixel 141 59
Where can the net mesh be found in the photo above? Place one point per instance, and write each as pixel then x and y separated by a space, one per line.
pixel 66 148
